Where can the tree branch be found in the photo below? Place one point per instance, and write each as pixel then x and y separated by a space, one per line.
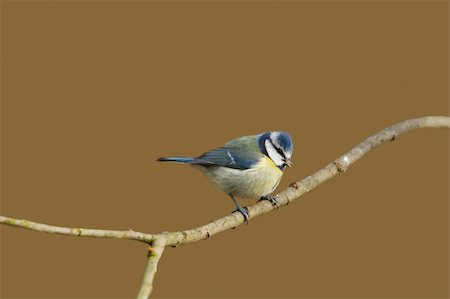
pixel 293 192
pixel 155 252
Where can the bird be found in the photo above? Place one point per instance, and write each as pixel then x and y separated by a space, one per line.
pixel 248 167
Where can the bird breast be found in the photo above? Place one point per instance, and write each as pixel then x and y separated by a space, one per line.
pixel 260 180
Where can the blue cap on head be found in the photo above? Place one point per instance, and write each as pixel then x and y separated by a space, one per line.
pixel 284 141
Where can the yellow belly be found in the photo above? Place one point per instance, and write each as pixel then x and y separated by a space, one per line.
pixel 260 180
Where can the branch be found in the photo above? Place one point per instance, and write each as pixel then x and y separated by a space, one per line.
pixel 155 252
pixel 293 192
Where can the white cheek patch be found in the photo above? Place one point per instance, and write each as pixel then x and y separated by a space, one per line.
pixel 273 154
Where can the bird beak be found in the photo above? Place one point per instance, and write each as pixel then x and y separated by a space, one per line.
pixel 288 162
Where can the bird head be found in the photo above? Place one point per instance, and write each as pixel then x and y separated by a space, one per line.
pixel 277 145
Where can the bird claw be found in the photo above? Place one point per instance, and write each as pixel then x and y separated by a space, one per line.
pixel 271 199
pixel 244 212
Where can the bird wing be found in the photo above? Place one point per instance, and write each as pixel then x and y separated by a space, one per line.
pixel 227 157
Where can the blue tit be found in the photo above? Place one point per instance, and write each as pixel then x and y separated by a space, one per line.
pixel 248 167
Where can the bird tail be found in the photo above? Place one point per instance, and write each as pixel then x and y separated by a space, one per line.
pixel 175 159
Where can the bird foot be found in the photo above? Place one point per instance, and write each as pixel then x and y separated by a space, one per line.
pixel 244 212
pixel 271 199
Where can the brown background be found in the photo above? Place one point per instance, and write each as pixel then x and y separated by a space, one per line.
pixel 94 91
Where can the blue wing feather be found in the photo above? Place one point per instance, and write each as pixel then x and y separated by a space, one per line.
pixel 226 157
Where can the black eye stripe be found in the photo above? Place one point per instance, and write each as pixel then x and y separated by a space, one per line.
pixel 277 149
pixel 281 153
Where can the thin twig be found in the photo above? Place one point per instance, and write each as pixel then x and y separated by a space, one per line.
pixel 155 252
pixel 77 231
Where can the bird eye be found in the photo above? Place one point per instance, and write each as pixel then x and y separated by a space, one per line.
pixel 280 152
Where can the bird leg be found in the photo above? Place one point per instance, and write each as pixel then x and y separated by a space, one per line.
pixel 240 209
